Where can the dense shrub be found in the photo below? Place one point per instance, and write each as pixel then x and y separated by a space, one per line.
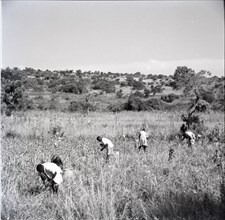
pixel 134 103
pixel 138 94
pixel 70 88
pixel 119 94
pixel 104 85
pixel 137 104
pixel 147 92
pixel 138 85
pixel 117 107
pixel 130 80
pixel 155 104
pixel 80 106
pixel 216 135
pixel 206 94
pixel 170 97
pixel 123 84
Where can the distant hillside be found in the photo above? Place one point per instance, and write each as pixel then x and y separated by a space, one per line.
pixel 66 90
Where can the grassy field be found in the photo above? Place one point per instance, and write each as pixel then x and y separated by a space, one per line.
pixel 133 186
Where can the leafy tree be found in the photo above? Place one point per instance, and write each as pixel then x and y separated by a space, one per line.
pixel 12 96
pixel 147 92
pixel 189 80
pixel 104 85
pixel 156 89
pixel 191 119
pixel 82 86
pixel 219 94
pixel 137 74
pixel 130 80
pixel 182 75
pixel 79 73
pixel 150 76
pixel 206 94
pixel 138 85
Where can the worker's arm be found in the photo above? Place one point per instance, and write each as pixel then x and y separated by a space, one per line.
pixel 103 146
pixel 53 176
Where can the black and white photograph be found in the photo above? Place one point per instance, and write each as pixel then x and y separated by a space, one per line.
pixel 112 110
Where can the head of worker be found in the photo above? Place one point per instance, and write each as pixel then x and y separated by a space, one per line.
pixel 99 138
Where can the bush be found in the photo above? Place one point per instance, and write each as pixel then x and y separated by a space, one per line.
pixel 138 85
pixel 165 98
pixel 216 135
pixel 147 92
pixel 123 84
pixel 203 106
pixel 134 103
pixel 119 94
pixel 173 96
pixel 137 104
pixel 170 97
pixel 118 107
pixel 104 85
pixel 69 88
pixel 138 94
pixel 80 107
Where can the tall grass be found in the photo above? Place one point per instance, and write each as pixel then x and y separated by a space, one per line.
pixel 137 186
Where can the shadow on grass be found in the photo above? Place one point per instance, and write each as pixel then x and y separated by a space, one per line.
pixel 34 190
pixel 171 206
pixel 190 206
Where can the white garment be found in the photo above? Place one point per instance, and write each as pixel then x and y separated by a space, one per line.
pixel 50 169
pixel 109 145
pixel 192 137
pixel 143 138
pixel 190 134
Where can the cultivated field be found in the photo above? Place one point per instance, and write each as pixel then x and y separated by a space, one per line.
pixel 135 186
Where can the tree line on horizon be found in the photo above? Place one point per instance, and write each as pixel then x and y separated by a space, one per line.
pixel 16 82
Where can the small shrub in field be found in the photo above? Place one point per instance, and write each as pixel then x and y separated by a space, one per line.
pixel 203 106
pixel 170 97
pixel 216 135
pixel 165 98
pixel 55 130
pixel 11 134
pixel 40 106
pixel 8 112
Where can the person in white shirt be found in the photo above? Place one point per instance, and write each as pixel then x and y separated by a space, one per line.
pixel 105 143
pixel 51 174
pixel 143 143
pixel 187 134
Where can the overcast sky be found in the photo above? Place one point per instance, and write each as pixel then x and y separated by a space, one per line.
pixel 117 36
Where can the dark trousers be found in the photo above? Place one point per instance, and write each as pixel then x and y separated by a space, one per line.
pixel 142 146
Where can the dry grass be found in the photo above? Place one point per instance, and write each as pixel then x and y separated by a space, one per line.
pixel 137 186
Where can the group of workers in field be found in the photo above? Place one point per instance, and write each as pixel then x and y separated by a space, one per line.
pixel 51 173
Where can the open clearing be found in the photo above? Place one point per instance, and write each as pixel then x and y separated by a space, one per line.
pixel 136 186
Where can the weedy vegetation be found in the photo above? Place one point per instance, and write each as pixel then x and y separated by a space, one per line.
pixel 134 186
